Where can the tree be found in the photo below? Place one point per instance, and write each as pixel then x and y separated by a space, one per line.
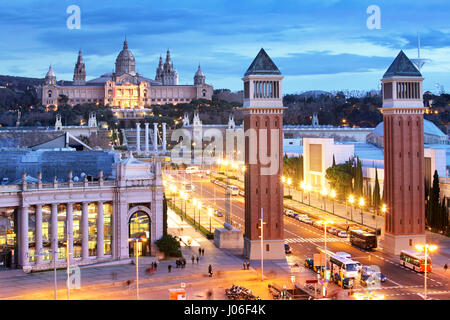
pixel 169 245
pixel 334 161
pixel 340 178
pixel 376 192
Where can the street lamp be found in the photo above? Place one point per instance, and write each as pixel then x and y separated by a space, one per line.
pixel 136 241
pixel 185 197
pixel 333 195
pixel 289 182
pixel 199 204
pixel 361 205
pixel 426 248
pixel 302 187
pixel 383 208
pixel 351 199
pixel 308 188
pixel 210 213
pixel 325 222
pixel 324 193
pixel 194 203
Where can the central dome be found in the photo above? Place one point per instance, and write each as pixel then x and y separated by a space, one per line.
pixel 125 62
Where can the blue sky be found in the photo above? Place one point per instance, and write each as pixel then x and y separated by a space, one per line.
pixel 323 45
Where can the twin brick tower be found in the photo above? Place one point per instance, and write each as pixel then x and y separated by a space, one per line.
pixel 403 157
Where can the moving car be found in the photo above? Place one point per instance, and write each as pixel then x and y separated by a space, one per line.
pixel 342 234
pixel 191 170
pixel 217 213
pixel 333 230
pixel 381 276
pixel 287 248
pixel 367 280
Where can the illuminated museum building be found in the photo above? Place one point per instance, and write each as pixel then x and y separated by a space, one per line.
pixel 125 88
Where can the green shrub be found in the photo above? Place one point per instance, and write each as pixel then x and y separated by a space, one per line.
pixel 288 197
pixel 169 245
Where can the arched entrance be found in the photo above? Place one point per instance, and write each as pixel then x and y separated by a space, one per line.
pixel 139 227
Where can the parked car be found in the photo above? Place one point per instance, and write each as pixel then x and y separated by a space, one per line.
pixel 308 221
pixel 217 213
pixel 317 224
pixel 287 248
pixel 302 215
pixel 333 230
pixel 342 234
pixel 381 276
pixel 289 212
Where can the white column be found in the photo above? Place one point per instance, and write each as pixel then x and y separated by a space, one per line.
pixel 100 236
pixel 23 237
pixel 38 233
pixel 146 137
pixel 85 230
pixel 54 227
pixel 164 136
pixel 155 136
pixel 69 233
pixel 138 137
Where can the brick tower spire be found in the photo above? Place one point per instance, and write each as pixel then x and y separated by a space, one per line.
pixel 263 124
pixel 79 73
pixel 403 110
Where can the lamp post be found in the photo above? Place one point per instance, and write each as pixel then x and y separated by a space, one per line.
pixel 194 203
pixel 261 226
pixel 41 254
pixel 426 248
pixel 333 195
pixel 361 205
pixel 302 187
pixel 199 204
pixel 185 197
pixel 289 182
pixel 351 199
pixel 135 242
pixel 210 213
pixel 325 222
pixel 324 193
pixel 308 187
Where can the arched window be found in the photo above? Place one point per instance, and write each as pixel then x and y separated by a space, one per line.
pixel 204 92
pixel 49 93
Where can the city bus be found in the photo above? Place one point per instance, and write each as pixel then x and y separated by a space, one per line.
pixel 414 260
pixel 343 270
pixel 362 239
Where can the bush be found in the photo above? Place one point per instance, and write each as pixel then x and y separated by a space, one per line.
pixel 169 245
pixel 288 197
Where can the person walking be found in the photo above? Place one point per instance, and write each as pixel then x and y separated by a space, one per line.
pixel 169 268
pixel 203 251
pixel 193 259
pixel 248 265
pixel 445 267
pixel 197 259
pixel 244 265
pixel 199 251
pixel 156 266
pixel 210 270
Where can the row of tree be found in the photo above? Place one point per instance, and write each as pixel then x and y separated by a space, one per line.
pixel 436 210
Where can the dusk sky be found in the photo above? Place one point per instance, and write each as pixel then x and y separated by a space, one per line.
pixel 317 45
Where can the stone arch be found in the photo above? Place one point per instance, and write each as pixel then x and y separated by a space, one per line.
pixel 144 229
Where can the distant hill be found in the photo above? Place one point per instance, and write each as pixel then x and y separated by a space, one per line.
pixel 20 83
pixel 315 94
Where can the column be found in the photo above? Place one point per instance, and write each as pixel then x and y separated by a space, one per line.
pixel 155 136
pixel 146 137
pixel 38 231
pixel 138 137
pixel 164 136
pixel 23 237
pixel 100 230
pixel 85 230
pixel 69 232
pixel 54 227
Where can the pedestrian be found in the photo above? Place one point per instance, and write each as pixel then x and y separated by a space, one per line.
pixel 210 270
pixel 169 267
pixel 197 259
pixel 203 251
pixel 193 259
pixel 445 267
pixel 244 264
pixel 248 265
pixel 156 266
pixel 199 251
pixel 184 262
pixel 177 263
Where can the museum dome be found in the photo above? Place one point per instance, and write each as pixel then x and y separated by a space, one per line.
pixel 125 62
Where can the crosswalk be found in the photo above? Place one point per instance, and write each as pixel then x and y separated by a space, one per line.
pixel 300 240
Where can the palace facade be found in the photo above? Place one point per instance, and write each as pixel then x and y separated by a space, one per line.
pixel 125 88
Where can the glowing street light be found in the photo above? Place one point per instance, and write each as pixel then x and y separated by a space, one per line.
pixel 426 248
pixel 333 196
pixel 351 199
pixel 289 182
pixel 324 193
pixel 361 205
pixel 302 187
pixel 308 188
pixel 210 213
pixel 136 241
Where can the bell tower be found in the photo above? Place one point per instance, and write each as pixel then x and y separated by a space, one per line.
pixel 263 126
pixel 403 110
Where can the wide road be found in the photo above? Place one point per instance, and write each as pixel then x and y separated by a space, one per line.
pixel 304 240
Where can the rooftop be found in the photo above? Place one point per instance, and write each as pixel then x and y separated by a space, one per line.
pixel 262 65
pixel 402 67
